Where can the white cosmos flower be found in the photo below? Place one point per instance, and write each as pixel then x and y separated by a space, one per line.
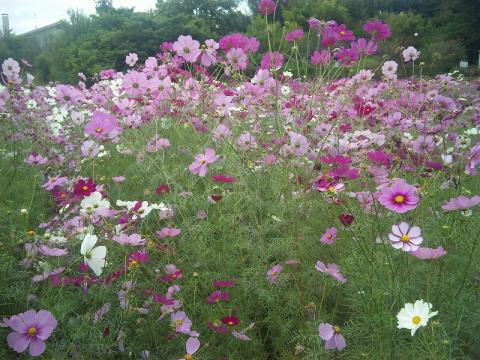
pixel 94 257
pixel 414 316
pixel 95 204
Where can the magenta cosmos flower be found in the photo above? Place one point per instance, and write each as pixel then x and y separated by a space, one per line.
pixel 329 237
pixel 405 237
pixel 31 329
pixel 294 35
pixel 331 334
pixel 331 269
pixel 199 166
pixel 266 7
pixel 377 29
pixel 400 197
pixel 461 203
pixel 271 60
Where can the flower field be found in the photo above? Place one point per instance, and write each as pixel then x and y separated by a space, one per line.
pixel 208 205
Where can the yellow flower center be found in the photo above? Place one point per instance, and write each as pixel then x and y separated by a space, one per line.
pixel 188 357
pixel 337 329
pixel 31 233
pixel 230 323
pixel 343 33
pixel 178 322
pixel 416 320
pixel 399 199
pixel 329 236
pixel 84 187
pixel 133 263
pixel 331 189
pixel 32 331
pixel 98 130
pixel 405 238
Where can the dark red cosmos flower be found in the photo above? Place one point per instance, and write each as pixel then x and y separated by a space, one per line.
pixel 217 296
pixel 162 189
pixel 231 320
pixel 84 188
pixel 225 283
pixel 346 219
pixel 216 197
pixel 223 178
pixel 106 332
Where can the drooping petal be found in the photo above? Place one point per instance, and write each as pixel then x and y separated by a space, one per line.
pixel 325 331
pixel 193 344
pixel 37 347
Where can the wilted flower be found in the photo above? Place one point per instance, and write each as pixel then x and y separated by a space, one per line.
pixel 331 269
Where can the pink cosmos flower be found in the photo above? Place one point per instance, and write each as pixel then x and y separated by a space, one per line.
pixel 181 322
pixel 347 57
pixel 224 283
pixel 428 253
pixel 461 203
pixel 168 232
pixel 89 148
pixel 273 273
pixel 187 48
pixel 314 23
pixel 364 47
pixel 209 53
pixel 221 132
pixel 331 269
pixel 133 239
pixel 332 335
pixel 473 159
pixel 271 60
pixel 410 53
pixel 237 58
pixel 118 179
pixel 101 124
pixel 199 166
pixel 131 59
pixel 54 181
pixel 135 83
pixel 405 237
pixel 298 144
pixel 31 329
pixel 36 159
pixel 389 70
pixel 191 346
pixel 378 29
pixel 217 296
pixel 266 7
pixel 47 251
pixel 329 236
pixel 294 35
pixel 320 57
pixel 423 144
pixel 246 141
pixel 400 197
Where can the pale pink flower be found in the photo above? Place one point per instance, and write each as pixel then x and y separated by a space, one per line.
pixel 331 269
pixel 133 239
pixel 199 166
pixel 405 237
pixel 329 236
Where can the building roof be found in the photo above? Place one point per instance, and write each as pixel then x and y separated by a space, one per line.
pixel 43 28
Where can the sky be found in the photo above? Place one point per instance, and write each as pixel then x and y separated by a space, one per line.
pixel 26 15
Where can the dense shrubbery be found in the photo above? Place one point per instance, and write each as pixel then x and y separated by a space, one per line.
pixel 185 209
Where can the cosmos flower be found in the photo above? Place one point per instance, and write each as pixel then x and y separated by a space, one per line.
pixel 332 335
pixel 331 269
pixel 400 197
pixel 410 53
pixel 131 59
pixel 273 273
pixel 191 346
pixel 294 35
pixel 93 256
pixel 31 329
pixel 461 203
pixel 133 239
pixel 428 253
pixel 405 237
pixel 187 48
pixel 329 236
pixel 217 296
pixel 266 7
pixel 378 29
pixel 199 166
pixel 230 320
pixel 414 316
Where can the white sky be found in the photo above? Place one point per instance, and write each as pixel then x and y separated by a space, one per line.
pixel 26 15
